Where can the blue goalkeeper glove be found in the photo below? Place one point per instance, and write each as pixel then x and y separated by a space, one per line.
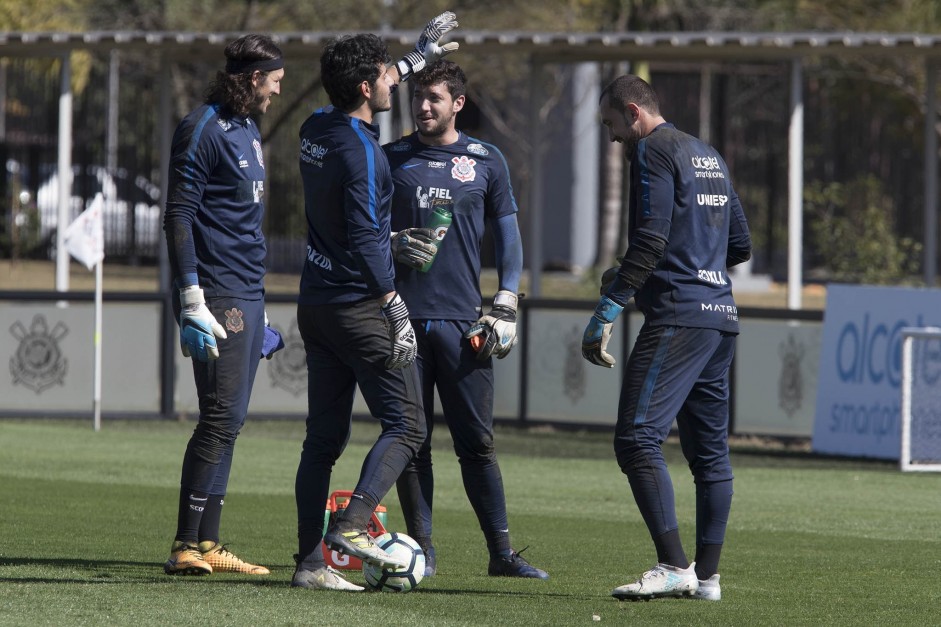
pixel 427 50
pixel 198 328
pixel 598 333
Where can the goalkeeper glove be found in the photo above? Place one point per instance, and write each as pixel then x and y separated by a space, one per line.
pixel 401 334
pixel 427 49
pixel 598 332
pixel 414 247
pixel 498 327
pixel 198 327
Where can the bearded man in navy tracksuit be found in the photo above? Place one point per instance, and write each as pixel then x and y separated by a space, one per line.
pixel 438 163
pixel 686 228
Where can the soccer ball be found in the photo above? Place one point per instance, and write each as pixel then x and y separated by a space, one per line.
pixel 398 579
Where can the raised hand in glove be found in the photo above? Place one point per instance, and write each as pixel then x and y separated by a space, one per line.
pixel 427 49
pixel 414 247
pixel 498 327
pixel 404 343
pixel 598 333
pixel 198 327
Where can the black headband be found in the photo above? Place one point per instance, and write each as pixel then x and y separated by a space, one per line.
pixel 235 66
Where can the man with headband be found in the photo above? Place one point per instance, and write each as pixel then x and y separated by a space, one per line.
pixel 214 211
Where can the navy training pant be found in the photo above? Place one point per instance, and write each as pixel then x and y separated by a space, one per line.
pixel 465 387
pixel 678 373
pixel 347 345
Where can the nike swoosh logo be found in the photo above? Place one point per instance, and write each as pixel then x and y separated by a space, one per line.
pixel 410 165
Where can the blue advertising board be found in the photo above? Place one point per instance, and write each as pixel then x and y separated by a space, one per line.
pixel 860 375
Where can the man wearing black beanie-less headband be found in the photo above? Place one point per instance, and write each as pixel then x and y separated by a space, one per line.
pixel 214 211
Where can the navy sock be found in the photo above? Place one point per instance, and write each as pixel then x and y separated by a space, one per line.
pixel 209 523
pixel 707 560
pixel 357 513
pixel 670 549
pixel 190 513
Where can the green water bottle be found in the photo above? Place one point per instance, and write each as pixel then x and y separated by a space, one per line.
pixel 440 222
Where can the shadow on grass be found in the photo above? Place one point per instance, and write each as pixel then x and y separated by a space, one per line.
pixel 120 572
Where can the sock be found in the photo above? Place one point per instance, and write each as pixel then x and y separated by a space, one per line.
pixel 356 514
pixel 311 560
pixel 670 549
pixel 499 544
pixel 707 560
pixel 190 513
pixel 209 524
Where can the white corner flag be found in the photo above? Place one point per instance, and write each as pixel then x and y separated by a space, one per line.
pixel 85 240
pixel 85 237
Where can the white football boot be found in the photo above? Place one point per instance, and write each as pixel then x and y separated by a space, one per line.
pixel 662 580
pixel 709 589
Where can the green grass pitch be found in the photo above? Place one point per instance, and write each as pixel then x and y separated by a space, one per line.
pixel 86 521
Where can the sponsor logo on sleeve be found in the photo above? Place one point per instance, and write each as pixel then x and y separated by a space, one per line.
pixel 477 149
pixel 224 124
pixel 401 147
pixel 313 153
pixel 257 146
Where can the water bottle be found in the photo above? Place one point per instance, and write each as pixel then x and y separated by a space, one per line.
pixel 440 222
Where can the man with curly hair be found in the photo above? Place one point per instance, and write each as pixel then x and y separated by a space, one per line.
pixel 217 253
pixel 354 325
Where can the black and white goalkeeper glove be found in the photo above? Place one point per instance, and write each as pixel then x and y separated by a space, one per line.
pixel 404 344
pixel 426 49
pixel 498 327
pixel 414 247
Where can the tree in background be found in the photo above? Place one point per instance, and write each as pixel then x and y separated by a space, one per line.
pixel 852 226
pixel 883 141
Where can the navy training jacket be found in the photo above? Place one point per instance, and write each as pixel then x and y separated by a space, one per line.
pixel 347 201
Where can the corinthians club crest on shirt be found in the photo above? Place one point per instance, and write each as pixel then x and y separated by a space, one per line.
pixel 38 362
pixel 463 169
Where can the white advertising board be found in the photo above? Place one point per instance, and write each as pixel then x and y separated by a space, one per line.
pixel 563 387
pixel 775 387
pixel 50 354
